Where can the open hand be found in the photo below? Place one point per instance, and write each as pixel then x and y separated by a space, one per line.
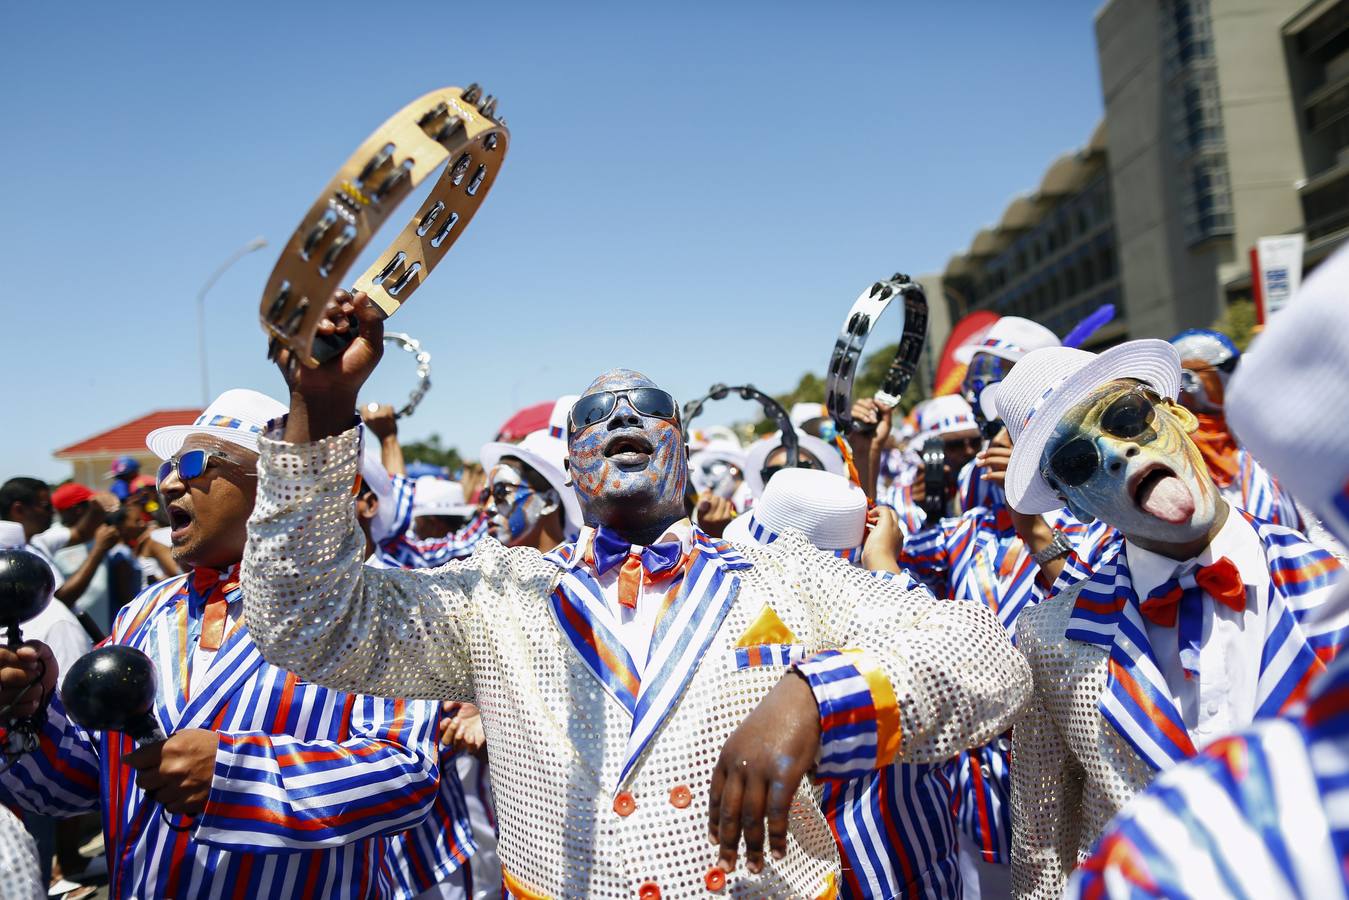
pixel 760 768
pixel 177 773
pixel 995 457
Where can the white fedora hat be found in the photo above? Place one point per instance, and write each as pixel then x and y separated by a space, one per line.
pixel 761 449
pixel 434 496
pixel 1288 401
pixel 947 414
pixel 828 509
pixel 1047 383
pixel 238 416
pixel 1010 338
pixel 803 411
pixel 546 454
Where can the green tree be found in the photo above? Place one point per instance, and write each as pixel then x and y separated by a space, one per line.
pixel 432 452
pixel 1238 322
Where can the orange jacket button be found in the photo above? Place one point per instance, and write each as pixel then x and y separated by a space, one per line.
pixel 624 805
pixel 648 890
pixel 715 879
pixel 680 796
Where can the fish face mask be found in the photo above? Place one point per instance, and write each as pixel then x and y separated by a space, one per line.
pixel 1124 456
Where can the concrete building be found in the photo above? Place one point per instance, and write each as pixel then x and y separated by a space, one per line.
pixel 1052 256
pixel 1225 121
pixel 1316 46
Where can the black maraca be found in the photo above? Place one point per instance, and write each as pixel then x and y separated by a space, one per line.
pixel 26 585
pixel 113 688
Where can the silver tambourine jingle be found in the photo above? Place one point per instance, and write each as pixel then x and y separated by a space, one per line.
pixel 423 359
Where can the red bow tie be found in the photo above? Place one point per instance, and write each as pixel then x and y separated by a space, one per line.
pixel 1220 580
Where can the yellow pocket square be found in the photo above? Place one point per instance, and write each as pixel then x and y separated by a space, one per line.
pixel 767 629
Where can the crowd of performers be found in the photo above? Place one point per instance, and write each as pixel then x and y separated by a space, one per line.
pixel 1101 664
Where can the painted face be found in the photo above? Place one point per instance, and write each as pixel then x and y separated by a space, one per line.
pixel 515 509
pixel 630 469
pixel 715 476
pixel 1124 456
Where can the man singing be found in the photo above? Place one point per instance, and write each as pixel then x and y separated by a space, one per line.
pixel 606 671
pixel 268 786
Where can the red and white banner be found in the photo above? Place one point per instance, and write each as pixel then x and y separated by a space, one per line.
pixel 1276 272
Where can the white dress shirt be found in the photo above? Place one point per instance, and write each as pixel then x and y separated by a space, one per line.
pixel 636 625
pixel 1222 698
pixel 202 659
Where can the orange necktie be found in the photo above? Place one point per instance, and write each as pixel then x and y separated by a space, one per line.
pixel 208 584
pixel 630 577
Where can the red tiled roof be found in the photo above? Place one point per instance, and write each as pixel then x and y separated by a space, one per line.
pixel 129 437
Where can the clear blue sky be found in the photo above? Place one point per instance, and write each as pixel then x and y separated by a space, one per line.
pixel 698 190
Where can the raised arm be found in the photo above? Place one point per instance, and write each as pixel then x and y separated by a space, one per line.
pixel 310 604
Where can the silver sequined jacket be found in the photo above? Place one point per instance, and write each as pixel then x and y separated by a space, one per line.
pixel 1072 771
pixel 483 629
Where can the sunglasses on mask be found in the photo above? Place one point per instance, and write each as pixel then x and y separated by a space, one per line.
pixel 1128 417
pixel 189 465
pixel 595 408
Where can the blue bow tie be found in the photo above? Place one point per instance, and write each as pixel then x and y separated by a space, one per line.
pixel 610 550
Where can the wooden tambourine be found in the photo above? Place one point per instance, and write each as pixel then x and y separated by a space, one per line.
pixel 857 327
pixel 450 126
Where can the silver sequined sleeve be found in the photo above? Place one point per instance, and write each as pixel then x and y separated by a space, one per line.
pixel 1046 788
pixel 314 608
pixel 957 679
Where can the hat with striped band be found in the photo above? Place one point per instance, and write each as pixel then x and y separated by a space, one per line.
pixel 828 509
pixel 238 416
pixel 947 414
pixel 1046 383
pixel 1010 338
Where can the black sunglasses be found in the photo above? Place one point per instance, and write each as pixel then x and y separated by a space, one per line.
pixel 595 408
pixel 1128 417
pixel 768 472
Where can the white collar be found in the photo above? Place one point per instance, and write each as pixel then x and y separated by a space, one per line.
pixel 1236 540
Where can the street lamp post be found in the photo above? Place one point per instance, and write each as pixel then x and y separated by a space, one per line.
pixel 256 244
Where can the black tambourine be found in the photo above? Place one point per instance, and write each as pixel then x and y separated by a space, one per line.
pixel 772 410
pixel 857 327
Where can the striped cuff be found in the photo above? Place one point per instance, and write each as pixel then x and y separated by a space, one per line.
pixel 859 716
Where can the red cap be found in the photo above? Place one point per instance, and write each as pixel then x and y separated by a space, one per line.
pixel 68 495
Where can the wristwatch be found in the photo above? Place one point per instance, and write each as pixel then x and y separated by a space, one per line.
pixel 1059 546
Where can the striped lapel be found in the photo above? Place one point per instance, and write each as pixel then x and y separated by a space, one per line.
pixel 1136 701
pixel 686 629
pixel 1299 641
pixel 234 663
pixel 588 624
